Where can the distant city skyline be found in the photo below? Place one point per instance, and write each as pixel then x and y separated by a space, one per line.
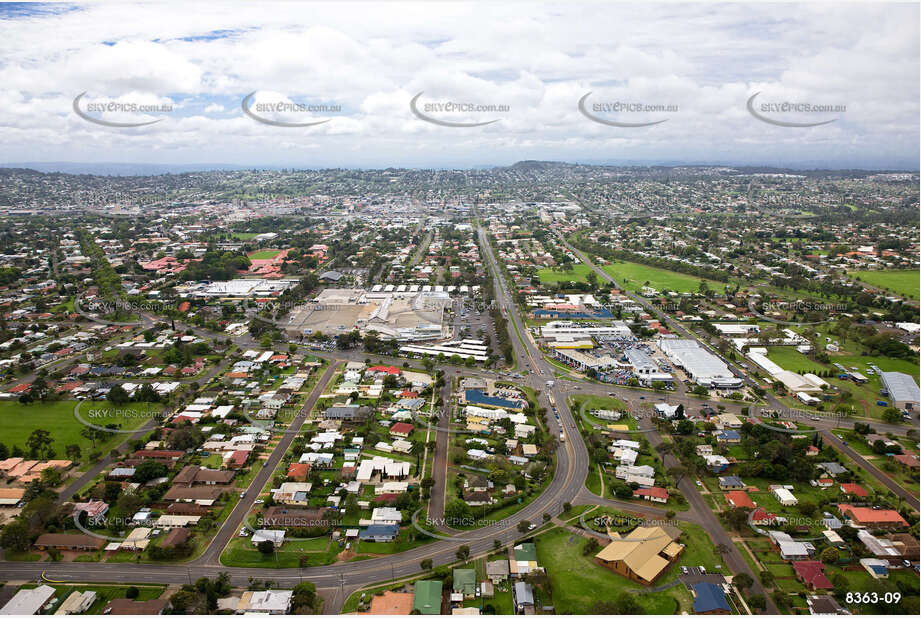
pixel 561 82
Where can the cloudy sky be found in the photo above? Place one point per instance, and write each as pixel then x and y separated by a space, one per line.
pixel 358 66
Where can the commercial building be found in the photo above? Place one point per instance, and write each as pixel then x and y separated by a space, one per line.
pixel 901 388
pixel 643 554
pixel 702 367
pixel 401 316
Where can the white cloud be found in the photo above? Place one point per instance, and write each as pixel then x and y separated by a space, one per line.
pixel 373 58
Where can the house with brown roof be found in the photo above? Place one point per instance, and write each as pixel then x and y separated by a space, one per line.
pixel 204 493
pixel 131 607
pixel 190 476
pixel 391 604
pixel 176 536
pixel 69 542
pixel 643 554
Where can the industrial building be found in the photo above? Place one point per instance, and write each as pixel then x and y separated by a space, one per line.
pixel 901 388
pixel 702 367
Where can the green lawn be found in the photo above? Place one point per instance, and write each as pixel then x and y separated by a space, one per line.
pixel 633 276
pixel 18 421
pixel 265 254
pixel 241 553
pixel 903 282
pixel 791 360
pixel 552 275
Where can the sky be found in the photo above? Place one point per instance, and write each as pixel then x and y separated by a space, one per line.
pixel 684 71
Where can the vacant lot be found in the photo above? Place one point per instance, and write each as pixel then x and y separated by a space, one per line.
pixel 634 276
pixel 788 358
pixel 903 282
pixel 553 275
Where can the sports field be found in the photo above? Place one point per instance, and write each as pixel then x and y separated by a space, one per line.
pixel 634 276
pixel 903 282
pixel 265 254
pixel 18 421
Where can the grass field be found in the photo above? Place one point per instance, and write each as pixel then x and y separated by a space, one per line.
pixel 633 276
pixel 320 551
pixel 265 254
pixel 903 282
pixel 18 421
pixel 550 275
pixel 788 358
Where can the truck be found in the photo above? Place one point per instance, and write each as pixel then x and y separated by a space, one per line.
pixel 549 383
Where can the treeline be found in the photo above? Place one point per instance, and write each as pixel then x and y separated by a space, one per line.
pixel 216 266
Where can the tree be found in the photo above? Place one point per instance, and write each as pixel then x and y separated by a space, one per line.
pixel 118 395
pixel 15 536
pixel 892 416
pixel 829 555
pixel 266 547
pixel 523 526
pixel 743 581
pixel 426 564
pixel 39 443
pixel 73 452
pixel 463 552
pixel 590 547
pixel 132 592
pixel 757 601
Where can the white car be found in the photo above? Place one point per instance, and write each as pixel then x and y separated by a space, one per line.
pixel 260 501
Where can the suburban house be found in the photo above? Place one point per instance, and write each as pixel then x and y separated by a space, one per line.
pixel 653 494
pixel 812 574
pixel 68 542
pixel 739 499
pixel 731 482
pixel 709 598
pixel 873 518
pixel 524 597
pixel 497 571
pixel 427 597
pixel 464 582
pixel 379 533
pixel 784 495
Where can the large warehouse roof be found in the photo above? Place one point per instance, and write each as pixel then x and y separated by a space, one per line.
pixel 901 386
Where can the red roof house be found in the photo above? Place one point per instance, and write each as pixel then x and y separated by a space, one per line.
pixel 401 429
pixel 811 572
pixel 739 499
pixel 854 489
pixel 654 494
